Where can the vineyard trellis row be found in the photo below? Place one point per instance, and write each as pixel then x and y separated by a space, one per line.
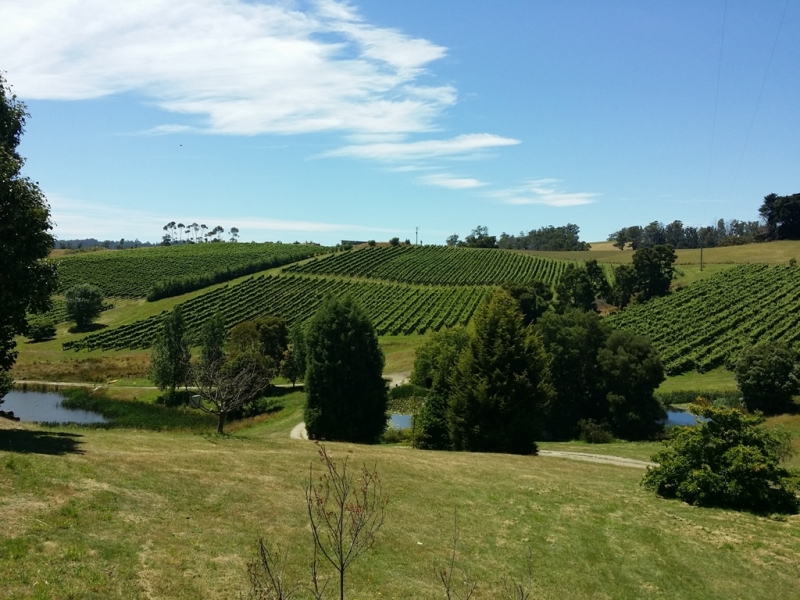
pixel 395 309
pixel 133 273
pixel 437 265
pixel 707 324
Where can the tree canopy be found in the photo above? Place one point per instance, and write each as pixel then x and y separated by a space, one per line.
pixel 730 461
pixel 170 359
pixel 500 384
pixel 782 216
pixel 27 280
pixel 84 303
pixel 768 375
pixel 566 237
pixel 346 395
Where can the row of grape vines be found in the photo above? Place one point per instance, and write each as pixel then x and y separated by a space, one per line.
pixel 133 273
pixel 393 309
pixel 707 324
pixel 437 265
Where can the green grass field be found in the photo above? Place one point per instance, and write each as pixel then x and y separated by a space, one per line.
pixel 136 514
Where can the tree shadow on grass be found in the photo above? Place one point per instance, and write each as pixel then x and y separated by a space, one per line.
pixel 87 328
pixel 40 442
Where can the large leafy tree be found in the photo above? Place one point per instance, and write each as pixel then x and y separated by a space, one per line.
pixel 575 289
pixel 170 359
pixel 572 341
pixel 227 381
pixel 346 395
pixel 27 280
pixel 500 384
pixel 84 303
pixel 768 375
pixel 782 216
pixel 293 366
pixel 533 299
pixel 655 269
pixel 632 371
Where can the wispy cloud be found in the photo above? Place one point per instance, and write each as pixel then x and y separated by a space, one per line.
pixel 80 219
pixel 451 182
pixel 543 191
pixel 236 66
pixel 425 149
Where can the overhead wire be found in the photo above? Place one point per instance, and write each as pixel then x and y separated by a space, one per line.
pixel 758 100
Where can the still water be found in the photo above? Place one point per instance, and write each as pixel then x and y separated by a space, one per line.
pixel 45 407
pixel 679 417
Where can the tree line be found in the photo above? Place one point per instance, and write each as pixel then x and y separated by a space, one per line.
pixel 178 233
pixel 548 238
pixel 780 220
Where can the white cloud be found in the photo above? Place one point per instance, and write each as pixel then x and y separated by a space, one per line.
pixel 79 219
pixel 237 66
pixel 450 182
pixel 425 149
pixel 542 191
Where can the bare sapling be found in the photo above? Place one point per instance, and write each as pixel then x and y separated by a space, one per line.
pixel 468 585
pixel 520 589
pixel 346 511
pixel 266 572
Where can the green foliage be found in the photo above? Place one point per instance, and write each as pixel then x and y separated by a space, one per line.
pixel 480 238
pixel 265 335
pixel 572 341
pixel 395 241
pixel 27 280
pixel 730 461
pixel 709 323
pixel 654 268
pixel 558 239
pixel 394 309
pixel 170 358
pixel 632 371
pixel 624 286
pixel 438 265
pixel 724 399
pixel 574 289
pixel 593 432
pixel 768 375
pixel 345 389
pixel 84 303
pixel 533 299
pixel 293 366
pixel 601 375
pixel 161 272
pixel 40 330
pixel 782 216
pixel 500 384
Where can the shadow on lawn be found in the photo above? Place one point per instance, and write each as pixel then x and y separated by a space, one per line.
pixel 40 442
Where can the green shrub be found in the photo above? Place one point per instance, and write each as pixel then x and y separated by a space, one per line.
pixel 593 432
pixel 730 461
pixel 768 375
pixel 39 331
pixel 728 399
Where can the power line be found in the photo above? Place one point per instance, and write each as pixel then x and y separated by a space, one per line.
pixel 716 99
pixel 760 91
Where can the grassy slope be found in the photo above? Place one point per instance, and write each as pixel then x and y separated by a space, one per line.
pixel 135 514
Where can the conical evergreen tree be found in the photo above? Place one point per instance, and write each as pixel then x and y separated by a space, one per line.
pixel 346 394
pixel 500 384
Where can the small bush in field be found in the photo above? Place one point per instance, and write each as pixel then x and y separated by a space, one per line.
pixel 729 461
pixel 593 432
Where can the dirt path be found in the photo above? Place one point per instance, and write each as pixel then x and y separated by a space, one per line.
pixel 397 378
pixel 299 433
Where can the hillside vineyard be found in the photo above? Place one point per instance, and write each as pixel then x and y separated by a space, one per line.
pixel 708 323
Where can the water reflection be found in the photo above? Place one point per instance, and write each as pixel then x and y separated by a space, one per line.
pixel 45 407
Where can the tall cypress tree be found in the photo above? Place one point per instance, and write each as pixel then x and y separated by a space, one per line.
pixel 500 384
pixel 345 390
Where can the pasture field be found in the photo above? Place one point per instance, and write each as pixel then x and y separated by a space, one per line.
pixel 706 324
pixel 133 273
pixel 94 513
pixel 436 265
pixel 778 253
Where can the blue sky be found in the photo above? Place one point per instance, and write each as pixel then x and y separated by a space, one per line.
pixel 332 120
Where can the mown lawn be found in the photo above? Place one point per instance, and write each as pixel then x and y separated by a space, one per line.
pixel 135 514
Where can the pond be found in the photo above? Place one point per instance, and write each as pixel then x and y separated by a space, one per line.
pixel 680 417
pixel 398 421
pixel 45 407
